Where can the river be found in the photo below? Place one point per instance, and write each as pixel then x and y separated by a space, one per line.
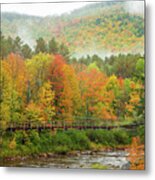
pixel 85 159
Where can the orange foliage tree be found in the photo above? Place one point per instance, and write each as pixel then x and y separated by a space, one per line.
pixel 136 154
pixel 65 85
pixel 13 90
pixel 96 100
pixel 18 73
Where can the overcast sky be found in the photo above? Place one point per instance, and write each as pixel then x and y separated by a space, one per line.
pixel 44 9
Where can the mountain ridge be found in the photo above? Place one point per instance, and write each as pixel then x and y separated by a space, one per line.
pixel 101 28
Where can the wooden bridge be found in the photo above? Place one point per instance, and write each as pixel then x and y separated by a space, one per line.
pixel 66 126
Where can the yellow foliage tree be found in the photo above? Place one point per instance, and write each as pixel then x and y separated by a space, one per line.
pixel 45 102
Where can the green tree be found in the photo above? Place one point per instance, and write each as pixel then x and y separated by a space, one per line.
pixel 52 46
pixel 64 51
pixel 6 46
pixel 140 76
pixel 140 65
pixel 40 46
pixel 26 51
pixel 17 44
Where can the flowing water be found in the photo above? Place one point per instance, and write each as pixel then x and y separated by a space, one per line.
pixel 85 159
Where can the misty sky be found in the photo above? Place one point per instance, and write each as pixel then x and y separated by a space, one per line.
pixel 59 8
pixel 43 9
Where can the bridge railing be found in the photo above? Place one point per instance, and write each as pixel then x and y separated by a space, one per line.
pixel 78 124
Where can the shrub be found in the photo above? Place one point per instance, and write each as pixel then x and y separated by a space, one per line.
pixel 61 139
pixel 21 137
pixel 101 137
pixel 45 141
pixel 121 136
pixel 34 137
pixel 61 149
pixel 141 133
pixel 12 144
pixel 25 150
pixel 79 140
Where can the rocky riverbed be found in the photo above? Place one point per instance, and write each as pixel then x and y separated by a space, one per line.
pixel 79 159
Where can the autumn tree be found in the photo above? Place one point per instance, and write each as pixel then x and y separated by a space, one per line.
pixel 5 92
pixel 56 77
pixel 18 73
pixel 65 85
pixel 45 101
pixel 70 97
pixel 134 107
pixel 12 93
pixel 136 154
pixel 96 100
pixel 33 112
pixel 37 68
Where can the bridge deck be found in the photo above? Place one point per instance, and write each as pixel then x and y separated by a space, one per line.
pixel 14 127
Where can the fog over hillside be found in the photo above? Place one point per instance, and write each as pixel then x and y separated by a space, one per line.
pixel 86 28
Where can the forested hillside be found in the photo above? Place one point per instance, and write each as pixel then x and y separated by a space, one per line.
pixel 101 28
pixel 71 83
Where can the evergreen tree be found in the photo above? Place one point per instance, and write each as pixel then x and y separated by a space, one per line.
pixel 63 50
pixel 53 46
pixel 40 46
pixel 26 51
pixel 17 44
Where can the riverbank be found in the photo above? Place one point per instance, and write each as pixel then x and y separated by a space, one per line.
pixel 110 159
pixel 23 146
pixel 23 143
pixel 92 151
